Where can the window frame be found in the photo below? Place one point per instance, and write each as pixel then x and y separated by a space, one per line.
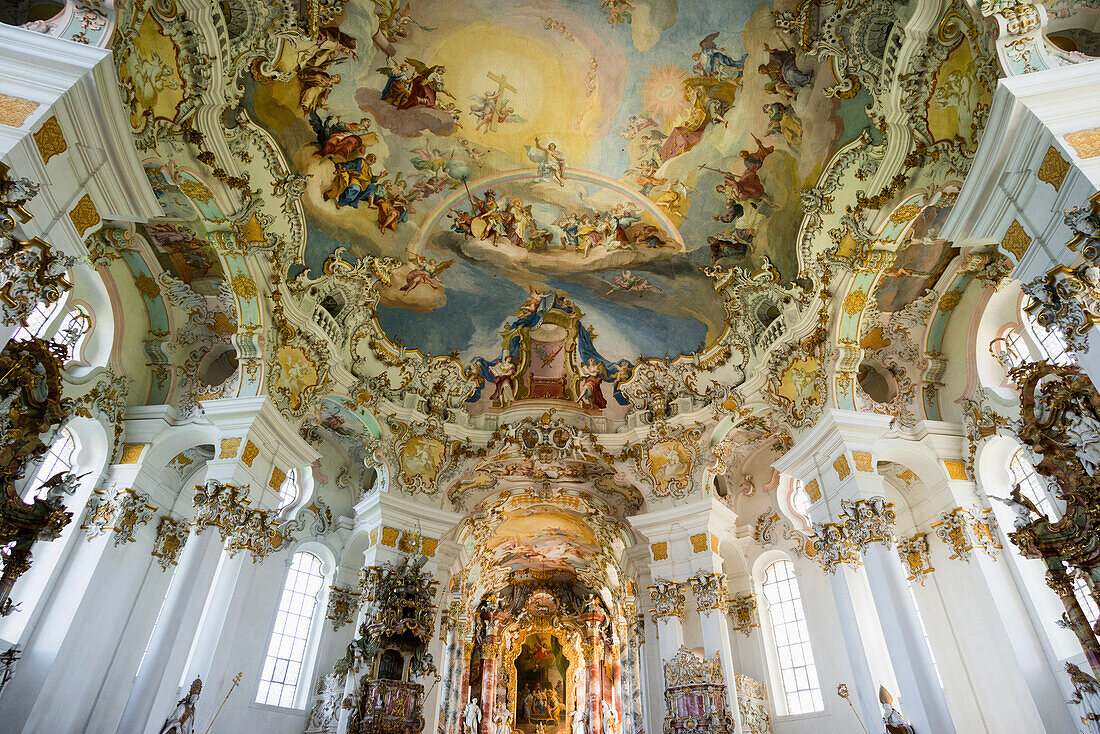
pixel 35 480
pixel 303 688
pixel 780 698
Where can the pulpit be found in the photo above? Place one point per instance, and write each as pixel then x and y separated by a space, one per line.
pixel 695 695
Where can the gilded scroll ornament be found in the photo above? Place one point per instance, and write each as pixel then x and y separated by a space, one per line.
pixel 914 553
pixel 122 511
pixel 869 521
pixel 744 612
pixel 172 535
pixel 668 599
pixel 965 530
pixel 343 605
pixel 30 270
pixel 710 591
pixel 833 547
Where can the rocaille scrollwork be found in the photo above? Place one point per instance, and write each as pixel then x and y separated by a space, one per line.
pixel 30 270
pixel 668 599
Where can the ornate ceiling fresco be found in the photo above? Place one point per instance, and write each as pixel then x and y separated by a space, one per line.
pixel 593 253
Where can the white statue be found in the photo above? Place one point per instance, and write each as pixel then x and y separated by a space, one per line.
pixel 182 720
pixel 1086 694
pixel 503 719
pixel 1083 432
pixel 610 721
pixel 578 719
pixel 891 717
pixel 472 715
pixel 1024 508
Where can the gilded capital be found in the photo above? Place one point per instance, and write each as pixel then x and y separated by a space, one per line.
pixel 668 599
pixel 710 591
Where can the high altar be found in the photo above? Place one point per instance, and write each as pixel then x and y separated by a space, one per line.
pixel 544 650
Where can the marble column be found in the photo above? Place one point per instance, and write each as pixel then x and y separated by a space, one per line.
pixel 711 601
pixel 490 664
pixel 593 655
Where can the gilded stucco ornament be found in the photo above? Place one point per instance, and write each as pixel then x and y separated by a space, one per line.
pixel 914 553
pixel 225 507
pixel 833 547
pixel 343 605
pixel 172 534
pixel 744 613
pixel 667 458
pixel 1068 298
pixel 30 270
pixel 769 523
pixel 710 591
pixel 423 457
pixel 981 422
pixel 965 530
pixel 752 702
pixel 668 599
pixel 121 511
pixel 869 521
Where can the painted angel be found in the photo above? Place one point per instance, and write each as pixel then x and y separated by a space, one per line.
pixel 425 272
pixel 549 160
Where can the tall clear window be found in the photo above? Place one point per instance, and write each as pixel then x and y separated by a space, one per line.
pixel 286 653
pixel 37 321
pixel 798 673
pixel 1032 485
pixel 58 460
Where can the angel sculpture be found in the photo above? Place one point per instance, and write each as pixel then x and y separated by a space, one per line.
pixel 1022 505
pixel 549 160
pixel 336 138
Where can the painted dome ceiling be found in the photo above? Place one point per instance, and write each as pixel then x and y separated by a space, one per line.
pixel 605 153
pixel 596 253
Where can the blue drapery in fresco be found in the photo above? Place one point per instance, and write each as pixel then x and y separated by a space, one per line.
pixel 586 350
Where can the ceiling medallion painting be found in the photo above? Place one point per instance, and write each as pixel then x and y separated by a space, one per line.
pixel 600 167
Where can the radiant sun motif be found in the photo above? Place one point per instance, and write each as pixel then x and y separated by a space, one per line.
pixel 663 93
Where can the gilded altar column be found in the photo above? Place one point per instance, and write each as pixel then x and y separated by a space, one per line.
pixel 593 656
pixel 711 600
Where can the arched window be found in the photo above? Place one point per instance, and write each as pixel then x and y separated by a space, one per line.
pixel 38 320
pixel 800 500
pixel 1032 485
pixel 797 671
pixel 71 331
pixel 58 460
pixel 1010 349
pixel 1051 343
pixel 294 623
pixel 289 491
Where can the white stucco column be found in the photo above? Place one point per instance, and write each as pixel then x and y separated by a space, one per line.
pixel 711 602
